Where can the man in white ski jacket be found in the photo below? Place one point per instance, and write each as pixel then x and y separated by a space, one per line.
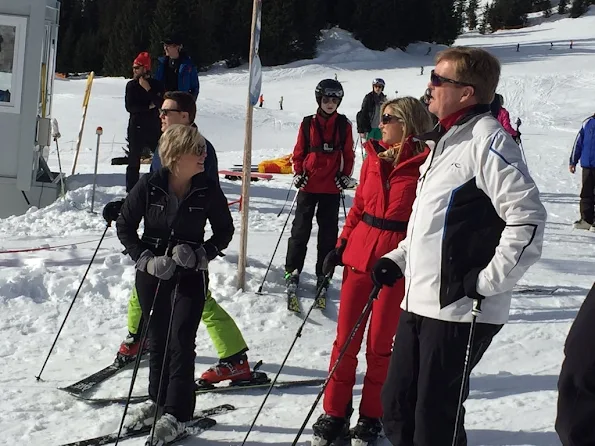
pixel 476 227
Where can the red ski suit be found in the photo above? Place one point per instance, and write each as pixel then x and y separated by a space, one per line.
pixel 384 192
pixel 321 168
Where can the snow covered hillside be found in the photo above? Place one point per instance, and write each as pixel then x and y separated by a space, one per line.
pixel 513 396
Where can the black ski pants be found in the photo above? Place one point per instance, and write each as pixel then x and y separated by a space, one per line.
pixel 588 195
pixel 576 384
pixel 421 393
pixel 141 135
pixel 327 217
pixel 188 298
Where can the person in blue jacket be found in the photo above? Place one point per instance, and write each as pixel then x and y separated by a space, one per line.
pixel 175 70
pixel 584 150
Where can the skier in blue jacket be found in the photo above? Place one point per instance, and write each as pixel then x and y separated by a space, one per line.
pixel 175 70
pixel 584 150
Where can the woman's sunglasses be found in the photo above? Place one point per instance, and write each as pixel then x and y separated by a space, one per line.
pixel 437 80
pixel 387 119
pixel 327 99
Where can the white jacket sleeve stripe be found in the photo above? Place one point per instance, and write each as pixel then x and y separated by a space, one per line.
pixel 506 181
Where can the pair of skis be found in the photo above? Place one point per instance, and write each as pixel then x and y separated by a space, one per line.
pixel 293 300
pixel 200 423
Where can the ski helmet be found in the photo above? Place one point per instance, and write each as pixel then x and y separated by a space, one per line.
pixel 328 87
pixel 379 81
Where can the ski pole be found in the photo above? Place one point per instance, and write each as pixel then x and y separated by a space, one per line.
pixel 360 320
pixel 286 200
pixel 475 312
pixel 99 132
pixel 143 339
pixel 518 124
pixel 344 208
pixel 38 377
pixel 167 339
pixel 277 246
pixel 297 335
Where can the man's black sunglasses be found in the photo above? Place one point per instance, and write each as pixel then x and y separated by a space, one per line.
pixel 437 80
pixel 165 111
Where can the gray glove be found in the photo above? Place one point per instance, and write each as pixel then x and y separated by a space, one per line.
pixel 184 256
pixel 202 259
pixel 162 267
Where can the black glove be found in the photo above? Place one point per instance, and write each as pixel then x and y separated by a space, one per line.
pixel 344 181
pixel 386 272
pixel 111 211
pixel 333 259
pixel 300 181
pixel 470 284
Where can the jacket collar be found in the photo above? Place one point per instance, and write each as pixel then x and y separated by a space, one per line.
pixel 439 131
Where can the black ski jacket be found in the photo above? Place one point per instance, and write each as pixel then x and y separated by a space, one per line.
pixel 365 116
pixel 138 102
pixel 149 200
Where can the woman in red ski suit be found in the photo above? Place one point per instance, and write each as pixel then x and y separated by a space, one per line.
pixel 376 223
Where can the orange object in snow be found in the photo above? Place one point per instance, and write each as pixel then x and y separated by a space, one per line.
pixel 278 165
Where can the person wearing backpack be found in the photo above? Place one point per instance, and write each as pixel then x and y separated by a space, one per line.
pixel 368 118
pixel 323 160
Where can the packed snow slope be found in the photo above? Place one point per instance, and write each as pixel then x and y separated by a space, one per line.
pixel 513 396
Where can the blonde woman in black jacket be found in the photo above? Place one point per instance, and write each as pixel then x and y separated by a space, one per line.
pixel 175 203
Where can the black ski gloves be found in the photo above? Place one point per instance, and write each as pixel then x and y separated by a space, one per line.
pixel 344 181
pixel 333 259
pixel 470 284
pixel 386 272
pixel 300 181
pixel 111 211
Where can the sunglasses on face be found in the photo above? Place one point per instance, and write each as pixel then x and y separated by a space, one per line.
pixel 327 99
pixel 166 111
pixel 387 119
pixel 436 80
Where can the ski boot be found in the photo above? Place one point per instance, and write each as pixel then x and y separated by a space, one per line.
pixel 292 279
pixel 167 430
pixel 129 349
pixel 143 415
pixel 330 431
pixel 366 432
pixel 322 285
pixel 582 224
pixel 232 369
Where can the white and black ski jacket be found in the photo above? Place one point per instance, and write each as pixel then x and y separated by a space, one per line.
pixel 477 209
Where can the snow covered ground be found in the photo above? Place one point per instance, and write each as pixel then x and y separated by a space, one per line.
pixel 513 397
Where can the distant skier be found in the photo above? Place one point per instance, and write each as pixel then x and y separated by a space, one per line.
pixel 576 399
pixel 518 47
pixel 368 118
pixel 323 160
pixel 143 98
pixel 584 150
pixel 261 100
pixel 571 44
pixel 422 71
pixel 551 45
pixel 376 223
pixel 501 114
pixel 281 103
pixel 336 77
pixel 176 71
pixel 429 51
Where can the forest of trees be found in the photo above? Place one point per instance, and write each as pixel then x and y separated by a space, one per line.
pixel 106 35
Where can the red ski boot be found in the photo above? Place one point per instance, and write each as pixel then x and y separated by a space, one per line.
pixel 238 370
pixel 129 348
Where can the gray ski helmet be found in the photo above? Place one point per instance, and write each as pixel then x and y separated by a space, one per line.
pixel 328 87
pixel 379 81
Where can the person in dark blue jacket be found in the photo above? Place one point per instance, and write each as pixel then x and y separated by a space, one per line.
pixel 175 70
pixel 584 150
pixel 180 108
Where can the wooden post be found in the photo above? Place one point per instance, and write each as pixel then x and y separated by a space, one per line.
pixel 84 118
pixel 246 168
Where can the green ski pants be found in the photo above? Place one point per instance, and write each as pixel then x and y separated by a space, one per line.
pixel 222 329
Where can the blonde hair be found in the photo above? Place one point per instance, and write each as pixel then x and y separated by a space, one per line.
pixel 474 66
pixel 179 140
pixel 416 118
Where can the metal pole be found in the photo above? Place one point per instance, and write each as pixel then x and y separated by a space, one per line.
pixel 99 132
pixel 246 170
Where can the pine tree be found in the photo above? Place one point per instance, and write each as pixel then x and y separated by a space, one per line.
pixel 472 14
pixel 68 34
pixel 172 17
pixel 562 5
pixel 547 11
pixel 460 15
pixel 370 27
pixel 443 22
pixel 578 8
